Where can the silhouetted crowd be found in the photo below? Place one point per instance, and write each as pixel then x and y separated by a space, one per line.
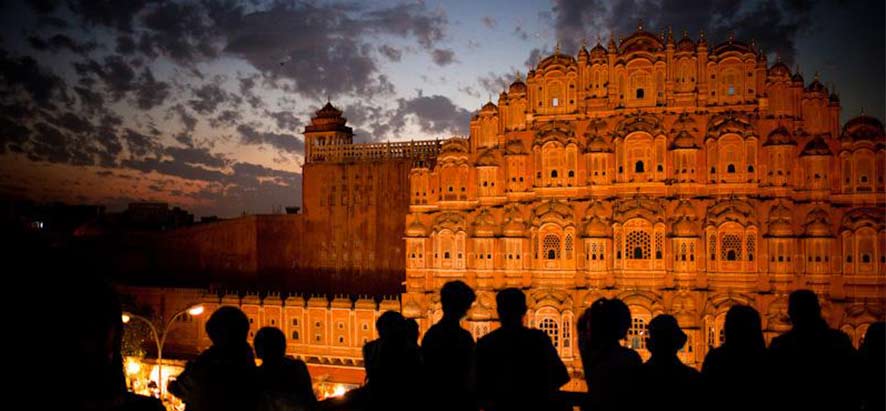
pixel 810 367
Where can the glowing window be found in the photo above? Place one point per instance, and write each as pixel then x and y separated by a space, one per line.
pixel 555 102
pixel 638 245
pixel 552 329
pixel 637 334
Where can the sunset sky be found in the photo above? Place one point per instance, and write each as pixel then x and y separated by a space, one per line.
pixel 201 104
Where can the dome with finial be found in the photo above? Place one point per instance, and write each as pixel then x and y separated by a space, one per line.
pixel 416 229
pixel 328 118
pixel 818 223
pixel 598 52
pixel 684 140
pixel 641 41
pixel 816 147
pixel 732 45
pixel 863 127
pixel 514 225
pixel 557 58
pixel 489 108
pixel 484 224
pixel 815 86
pixel 685 43
pixel 518 87
pixel 780 137
pixel 701 40
pixel 780 70
pixel 780 220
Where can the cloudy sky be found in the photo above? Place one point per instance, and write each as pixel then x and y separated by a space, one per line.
pixel 201 103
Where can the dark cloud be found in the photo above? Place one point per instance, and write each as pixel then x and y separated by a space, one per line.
pixel 150 92
pixel 521 33
pixel 207 98
pixel 24 73
pixel 110 13
pixel 189 121
pixel 323 49
pixel 443 57
pixel 125 45
pixel 286 120
pixel 774 23
pixel 181 31
pixel 12 134
pixel 61 42
pixel 116 74
pixel 494 83
pixel 434 114
pixel 489 22
pixel 535 56
pixel 285 142
pixel 227 118
pixel 192 155
pixel 91 100
pixel 139 144
pixel 392 53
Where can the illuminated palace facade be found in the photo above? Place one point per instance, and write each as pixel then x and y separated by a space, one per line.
pixel 678 177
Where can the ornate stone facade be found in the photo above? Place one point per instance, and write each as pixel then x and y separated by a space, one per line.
pixel 680 178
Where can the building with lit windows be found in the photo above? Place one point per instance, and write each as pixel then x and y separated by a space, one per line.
pixel 679 177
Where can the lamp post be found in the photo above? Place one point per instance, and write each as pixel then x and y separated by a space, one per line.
pixel 159 338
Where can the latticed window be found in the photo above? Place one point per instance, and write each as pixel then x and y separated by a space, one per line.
pixel 691 251
pixel 730 247
pixel 637 334
pixel 551 246
pixel 752 246
pixel 659 245
pixel 535 245
pixel 552 329
pixel 683 251
pixel 593 255
pixel 568 246
pixel 567 332
pixel 637 246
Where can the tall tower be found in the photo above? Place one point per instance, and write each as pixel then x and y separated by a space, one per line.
pixel 327 128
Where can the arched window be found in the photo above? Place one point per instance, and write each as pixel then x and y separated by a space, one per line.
pixel 553 173
pixel 730 247
pixel 638 167
pixel 552 329
pixel 294 335
pixel 637 334
pixel 638 245
pixel 568 246
pixel 551 246
pixel 730 169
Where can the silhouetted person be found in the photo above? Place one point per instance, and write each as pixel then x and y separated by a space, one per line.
pixel 99 384
pixel 393 365
pixel 664 382
pixel 609 367
pixel 284 383
pixel 873 372
pixel 448 353
pixel 517 368
pixel 412 332
pixel 224 376
pixel 734 373
pixel 812 363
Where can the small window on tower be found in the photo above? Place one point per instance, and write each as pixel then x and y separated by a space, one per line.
pixel 555 102
pixel 640 93
pixel 731 90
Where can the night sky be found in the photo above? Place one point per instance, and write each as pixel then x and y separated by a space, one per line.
pixel 201 104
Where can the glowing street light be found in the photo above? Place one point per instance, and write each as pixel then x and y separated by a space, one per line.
pixel 159 338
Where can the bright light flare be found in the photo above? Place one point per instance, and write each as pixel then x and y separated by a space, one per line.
pixel 196 310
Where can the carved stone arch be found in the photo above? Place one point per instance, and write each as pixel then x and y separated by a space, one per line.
pixel 736 210
pixel 639 122
pixel 557 212
pixel 645 299
pixel 721 303
pixel 648 209
pixel 559 300
pixel 453 221
pixel 729 122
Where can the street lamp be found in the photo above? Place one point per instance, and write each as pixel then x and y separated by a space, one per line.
pixel 160 339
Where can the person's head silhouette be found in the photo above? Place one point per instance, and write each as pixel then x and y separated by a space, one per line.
pixel 270 344
pixel 227 326
pixel 456 298
pixel 511 306
pixel 743 328
pixel 98 338
pixel 618 318
pixel 665 336
pixel 390 324
pixel 804 309
pixel 412 332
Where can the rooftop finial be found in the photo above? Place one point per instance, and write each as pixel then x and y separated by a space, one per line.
pixel 584 43
pixel 701 35
pixel 557 47
pixel 862 110
pixel 685 33
pixel 599 39
pixel 640 25
pixel 731 36
pixel 816 74
pixel 519 76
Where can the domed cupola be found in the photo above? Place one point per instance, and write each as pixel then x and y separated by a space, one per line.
pixel 780 221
